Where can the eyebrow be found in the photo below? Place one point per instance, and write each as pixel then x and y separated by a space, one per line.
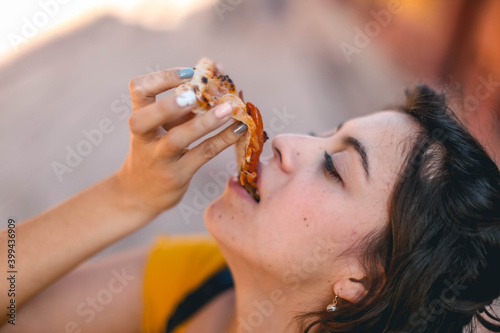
pixel 360 148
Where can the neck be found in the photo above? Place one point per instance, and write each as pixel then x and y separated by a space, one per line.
pixel 264 304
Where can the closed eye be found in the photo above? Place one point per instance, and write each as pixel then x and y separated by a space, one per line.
pixel 330 168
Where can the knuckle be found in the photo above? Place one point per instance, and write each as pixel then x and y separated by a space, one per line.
pixel 166 75
pixel 172 142
pixel 175 179
pixel 206 121
pixel 228 138
pixel 134 124
pixel 203 123
pixel 199 123
pixel 150 81
pixel 210 149
pixel 225 139
pixel 135 85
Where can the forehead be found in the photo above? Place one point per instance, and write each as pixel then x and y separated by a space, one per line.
pixel 387 136
pixel 383 128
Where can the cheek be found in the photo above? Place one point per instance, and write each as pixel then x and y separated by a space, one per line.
pixel 309 212
pixel 303 211
pixel 298 202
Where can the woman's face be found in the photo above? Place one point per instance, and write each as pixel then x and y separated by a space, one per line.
pixel 307 217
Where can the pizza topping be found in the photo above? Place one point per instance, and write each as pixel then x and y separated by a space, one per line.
pixel 248 174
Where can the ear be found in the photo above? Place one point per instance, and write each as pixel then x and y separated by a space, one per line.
pixel 351 289
pixel 353 286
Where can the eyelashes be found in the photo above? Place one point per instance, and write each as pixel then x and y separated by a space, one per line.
pixel 330 168
pixel 328 163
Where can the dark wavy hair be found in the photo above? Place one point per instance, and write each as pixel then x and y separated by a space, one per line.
pixel 440 251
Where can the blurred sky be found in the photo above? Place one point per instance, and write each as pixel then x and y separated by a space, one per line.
pixel 34 21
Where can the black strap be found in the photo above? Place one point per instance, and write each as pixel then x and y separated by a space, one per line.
pixel 196 299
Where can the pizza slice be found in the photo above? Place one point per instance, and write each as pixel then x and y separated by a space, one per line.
pixel 213 88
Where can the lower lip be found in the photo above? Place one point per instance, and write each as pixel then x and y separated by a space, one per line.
pixel 235 185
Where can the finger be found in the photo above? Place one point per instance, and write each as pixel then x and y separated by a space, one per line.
pixel 211 147
pixel 179 121
pixel 143 89
pixel 146 120
pixel 180 137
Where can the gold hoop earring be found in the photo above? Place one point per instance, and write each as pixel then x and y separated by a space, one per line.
pixel 333 306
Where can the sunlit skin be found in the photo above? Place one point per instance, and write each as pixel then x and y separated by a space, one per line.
pixel 279 243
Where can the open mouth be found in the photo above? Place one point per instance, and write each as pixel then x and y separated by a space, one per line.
pixel 235 185
pixel 256 193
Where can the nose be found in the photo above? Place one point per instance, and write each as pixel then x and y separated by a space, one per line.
pixel 293 151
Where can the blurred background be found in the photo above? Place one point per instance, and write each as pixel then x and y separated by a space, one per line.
pixel 308 65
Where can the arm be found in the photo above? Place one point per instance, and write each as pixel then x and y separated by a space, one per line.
pixel 154 177
pixel 100 296
pixel 53 243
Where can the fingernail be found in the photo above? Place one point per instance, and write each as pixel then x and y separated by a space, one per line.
pixel 185 73
pixel 186 98
pixel 223 110
pixel 239 128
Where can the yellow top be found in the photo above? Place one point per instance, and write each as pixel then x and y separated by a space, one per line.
pixel 176 266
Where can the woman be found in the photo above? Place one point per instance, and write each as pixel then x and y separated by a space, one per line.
pixel 389 224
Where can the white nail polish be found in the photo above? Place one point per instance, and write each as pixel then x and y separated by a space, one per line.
pixel 186 98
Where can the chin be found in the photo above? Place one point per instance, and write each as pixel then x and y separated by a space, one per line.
pixel 218 217
pixel 212 211
pixel 225 219
pixel 229 228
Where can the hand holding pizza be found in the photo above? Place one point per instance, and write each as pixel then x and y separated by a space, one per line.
pixel 159 167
